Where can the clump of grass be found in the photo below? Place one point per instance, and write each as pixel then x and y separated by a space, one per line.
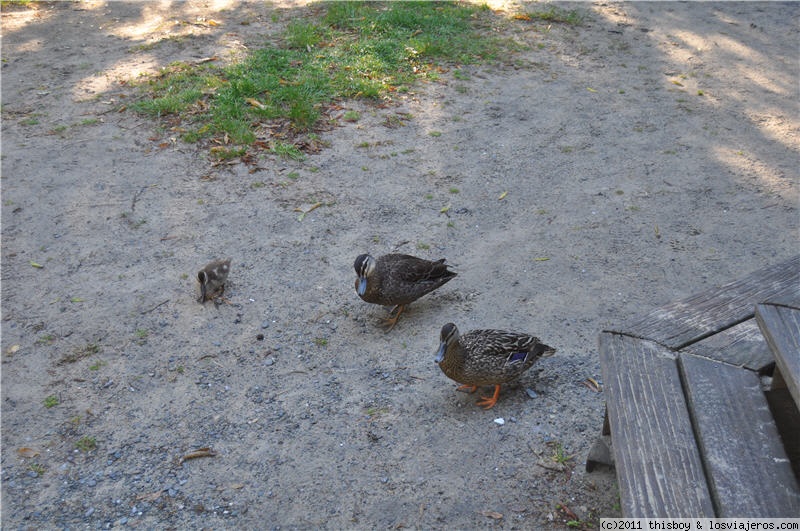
pixel 86 444
pixel 559 454
pixel 51 401
pixel 559 15
pixel 353 50
pixel 351 116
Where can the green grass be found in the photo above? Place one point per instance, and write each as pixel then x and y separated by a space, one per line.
pixel 555 14
pixel 350 50
pixel 38 468
pixel 50 401
pixel 86 444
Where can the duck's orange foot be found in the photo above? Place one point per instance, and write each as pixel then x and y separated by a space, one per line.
pixel 393 317
pixel 488 402
pixel 467 388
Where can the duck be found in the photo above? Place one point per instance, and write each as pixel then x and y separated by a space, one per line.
pixel 212 278
pixel 398 280
pixel 487 357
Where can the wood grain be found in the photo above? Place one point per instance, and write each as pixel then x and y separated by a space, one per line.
pixel 781 327
pixel 739 441
pixel 741 345
pixel 658 462
pixel 692 319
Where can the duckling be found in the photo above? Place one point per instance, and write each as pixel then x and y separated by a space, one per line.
pixel 398 280
pixel 212 279
pixel 487 357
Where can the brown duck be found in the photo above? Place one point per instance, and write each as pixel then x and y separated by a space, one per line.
pixel 212 278
pixel 487 357
pixel 398 280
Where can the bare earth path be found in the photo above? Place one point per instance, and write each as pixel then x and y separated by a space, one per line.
pixel 643 156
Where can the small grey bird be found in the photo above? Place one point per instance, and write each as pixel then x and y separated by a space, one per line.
pixel 212 278
pixel 487 357
pixel 398 280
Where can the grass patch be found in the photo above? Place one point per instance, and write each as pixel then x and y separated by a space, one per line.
pixel 38 468
pixel 356 50
pixel 558 15
pixel 86 444
pixel 51 401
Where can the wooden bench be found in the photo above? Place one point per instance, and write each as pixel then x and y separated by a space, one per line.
pixel 692 431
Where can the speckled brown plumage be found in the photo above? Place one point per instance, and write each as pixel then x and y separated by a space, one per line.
pixel 398 280
pixel 487 357
pixel 212 278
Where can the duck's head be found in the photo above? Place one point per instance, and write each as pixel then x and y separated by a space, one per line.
pixel 447 337
pixel 364 266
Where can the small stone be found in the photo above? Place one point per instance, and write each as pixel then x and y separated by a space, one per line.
pixel 499 421
pixel 531 393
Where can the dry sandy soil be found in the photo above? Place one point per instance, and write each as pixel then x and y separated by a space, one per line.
pixel 645 155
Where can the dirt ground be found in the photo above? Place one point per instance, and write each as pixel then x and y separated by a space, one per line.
pixel 607 169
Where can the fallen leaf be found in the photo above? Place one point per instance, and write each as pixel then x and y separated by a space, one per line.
pixel 503 196
pixel 200 452
pixel 255 103
pixel 37 266
pixel 522 16
pixel 212 22
pixel 304 212
pixel 590 89
pixel 567 511
pixel 549 465
pixel 10 351
pixel 76 299
pixel 444 209
pixel 541 259
pixel 27 452
pixel 492 514
pixel 153 496
pixel 592 384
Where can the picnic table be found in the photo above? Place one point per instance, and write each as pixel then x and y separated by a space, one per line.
pixel 693 424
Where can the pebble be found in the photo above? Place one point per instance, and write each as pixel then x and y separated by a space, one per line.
pixel 531 393
pixel 499 421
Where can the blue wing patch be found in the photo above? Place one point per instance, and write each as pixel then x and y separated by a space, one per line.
pixel 517 357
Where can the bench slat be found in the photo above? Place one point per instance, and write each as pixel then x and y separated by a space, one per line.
pixel 742 345
pixel 657 459
pixel 684 322
pixel 739 441
pixel 781 326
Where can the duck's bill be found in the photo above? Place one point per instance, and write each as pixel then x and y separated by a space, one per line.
pixel 362 286
pixel 440 353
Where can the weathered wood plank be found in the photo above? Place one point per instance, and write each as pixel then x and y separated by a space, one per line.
pixel 684 322
pixel 748 472
pixel 742 345
pixel 781 327
pixel 658 463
